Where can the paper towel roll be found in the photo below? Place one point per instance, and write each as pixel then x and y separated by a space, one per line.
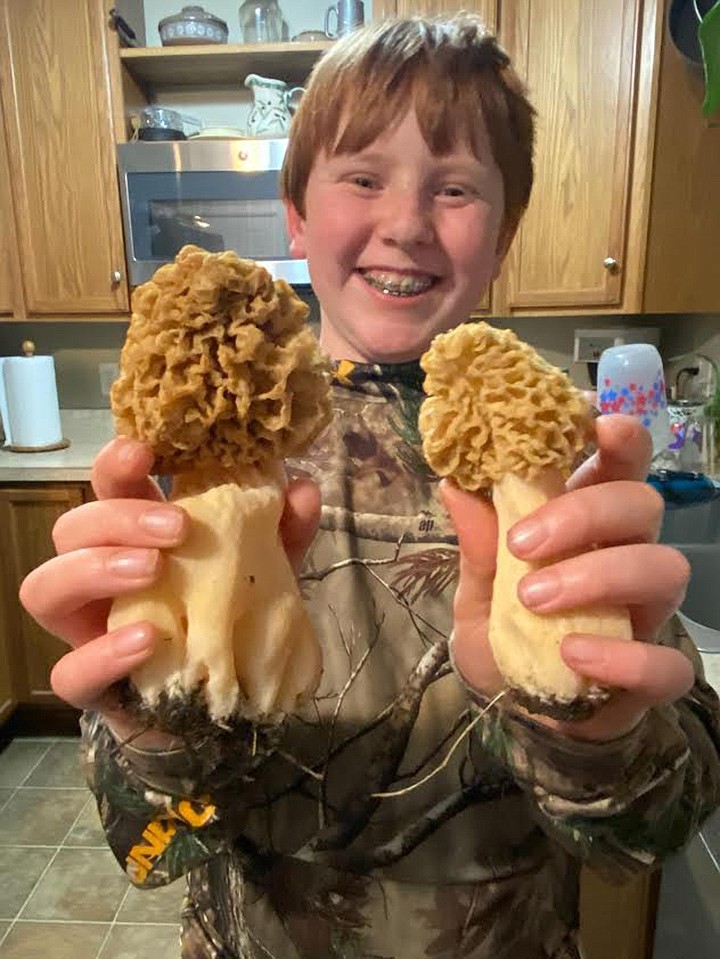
pixel 33 414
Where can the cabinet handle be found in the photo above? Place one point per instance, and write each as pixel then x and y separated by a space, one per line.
pixel 611 264
pixel 116 276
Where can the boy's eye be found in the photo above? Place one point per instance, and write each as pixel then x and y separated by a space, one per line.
pixel 366 182
pixel 454 190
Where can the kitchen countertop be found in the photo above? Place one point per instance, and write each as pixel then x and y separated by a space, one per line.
pixel 87 430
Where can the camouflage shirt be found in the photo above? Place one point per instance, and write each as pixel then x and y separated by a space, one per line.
pixel 377 822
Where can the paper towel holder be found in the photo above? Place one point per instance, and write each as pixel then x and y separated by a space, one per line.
pixel 28 349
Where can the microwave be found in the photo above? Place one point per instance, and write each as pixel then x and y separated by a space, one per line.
pixel 216 194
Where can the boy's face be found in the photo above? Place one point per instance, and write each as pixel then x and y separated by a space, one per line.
pixel 400 244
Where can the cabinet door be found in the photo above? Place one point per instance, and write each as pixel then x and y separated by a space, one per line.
pixel 27 516
pixel 8 685
pixel 487 9
pixel 579 60
pixel 60 138
pixel 682 274
pixel 7 229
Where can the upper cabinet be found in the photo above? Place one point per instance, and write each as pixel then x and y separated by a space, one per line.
pixel 59 126
pixel 683 261
pixel 579 60
pixel 10 293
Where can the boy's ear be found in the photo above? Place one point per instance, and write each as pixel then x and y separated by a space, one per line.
pixel 296 230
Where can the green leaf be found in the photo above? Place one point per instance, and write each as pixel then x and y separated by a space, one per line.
pixel 709 36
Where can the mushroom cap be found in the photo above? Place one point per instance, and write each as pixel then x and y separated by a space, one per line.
pixel 219 367
pixel 495 406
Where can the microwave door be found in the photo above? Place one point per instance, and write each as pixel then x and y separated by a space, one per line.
pixel 217 210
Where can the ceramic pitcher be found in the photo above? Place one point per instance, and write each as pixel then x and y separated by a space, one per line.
pixel 273 105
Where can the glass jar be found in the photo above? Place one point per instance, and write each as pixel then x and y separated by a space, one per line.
pixel 261 21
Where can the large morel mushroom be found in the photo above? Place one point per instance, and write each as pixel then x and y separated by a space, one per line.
pixel 222 378
pixel 498 417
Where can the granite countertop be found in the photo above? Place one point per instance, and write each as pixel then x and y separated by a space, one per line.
pixel 87 430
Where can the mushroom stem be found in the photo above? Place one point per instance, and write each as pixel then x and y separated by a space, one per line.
pixel 526 645
pixel 226 605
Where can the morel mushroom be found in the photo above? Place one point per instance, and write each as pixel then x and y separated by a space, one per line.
pixel 497 416
pixel 222 378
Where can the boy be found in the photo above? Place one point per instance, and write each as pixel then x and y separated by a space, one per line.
pixel 380 823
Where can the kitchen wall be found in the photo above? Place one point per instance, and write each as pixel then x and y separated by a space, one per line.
pixel 79 348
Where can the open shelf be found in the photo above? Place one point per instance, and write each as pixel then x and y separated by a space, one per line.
pixel 220 64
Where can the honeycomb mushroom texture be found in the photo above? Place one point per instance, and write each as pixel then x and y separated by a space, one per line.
pixel 219 366
pixel 495 407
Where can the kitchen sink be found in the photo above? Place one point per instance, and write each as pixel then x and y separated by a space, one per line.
pixel 695 531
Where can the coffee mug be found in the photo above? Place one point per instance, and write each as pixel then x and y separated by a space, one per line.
pixel 349 14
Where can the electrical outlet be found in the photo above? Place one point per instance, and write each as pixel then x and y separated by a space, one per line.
pixel 590 344
pixel 108 374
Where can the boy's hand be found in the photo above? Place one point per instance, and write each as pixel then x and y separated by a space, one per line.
pixel 611 519
pixel 111 547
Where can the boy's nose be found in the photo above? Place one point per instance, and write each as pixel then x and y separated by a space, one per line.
pixel 407 220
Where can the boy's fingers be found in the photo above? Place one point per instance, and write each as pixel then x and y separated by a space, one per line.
pixel 475 522
pixel 300 519
pixel 624 453
pixel 66 594
pixel 83 676
pixel 654 674
pixel 124 522
pixel 616 576
pixel 121 470
pixel 603 515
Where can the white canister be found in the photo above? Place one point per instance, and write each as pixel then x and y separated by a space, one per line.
pixel 29 402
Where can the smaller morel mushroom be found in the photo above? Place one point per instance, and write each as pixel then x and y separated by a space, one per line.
pixel 498 417
pixel 221 376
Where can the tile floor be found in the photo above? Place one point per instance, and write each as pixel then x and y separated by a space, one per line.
pixel 62 893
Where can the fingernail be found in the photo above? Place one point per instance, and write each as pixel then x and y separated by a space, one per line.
pixel 129 450
pixel 539 591
pixel 129 640
pixel 163 523
pixel 579 650
pixel 134 563
pixel 526 536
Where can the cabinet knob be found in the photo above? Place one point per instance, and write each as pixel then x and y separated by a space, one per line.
pixel 243 155
pixel 116 276
pixel 611 264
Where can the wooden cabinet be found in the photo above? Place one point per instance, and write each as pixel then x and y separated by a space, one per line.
pixel 683 268
pixel 579 60
pixel 59 125
pixel 27 516
pixel 8 285
pixel 487 9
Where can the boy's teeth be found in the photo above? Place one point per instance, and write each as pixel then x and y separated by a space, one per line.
pixel 397 284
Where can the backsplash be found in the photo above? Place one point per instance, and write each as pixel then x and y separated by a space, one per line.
pixel 80 348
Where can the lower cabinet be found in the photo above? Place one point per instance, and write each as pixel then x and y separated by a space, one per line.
pixel 617 920
pixel 27 652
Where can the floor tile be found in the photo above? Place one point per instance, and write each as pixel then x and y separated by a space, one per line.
pixel 20 869
pixel 40 817
pixel 18 759
pixel 5 794
pixel 56 940
pixel 4 926
pixel 88 830
pixel 139 942
pixel 62 765
pixel 84 885
pixel 162 904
